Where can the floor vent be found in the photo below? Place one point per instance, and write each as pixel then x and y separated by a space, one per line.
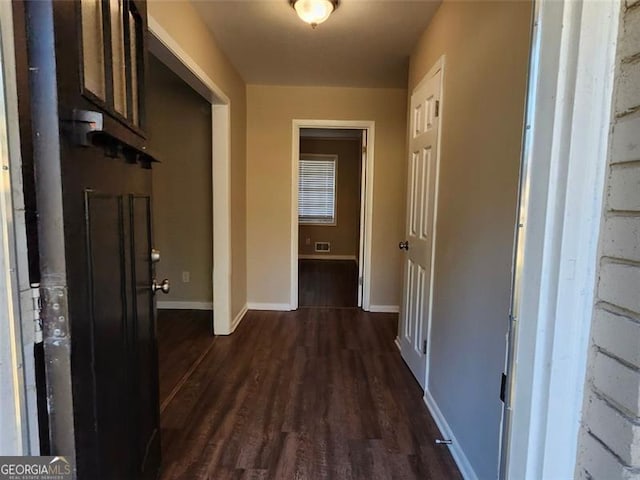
pixel 323 247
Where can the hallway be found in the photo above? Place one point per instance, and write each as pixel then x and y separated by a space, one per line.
pixel 312 394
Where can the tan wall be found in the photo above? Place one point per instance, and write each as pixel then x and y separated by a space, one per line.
pixel 271 110
pixel 345 235
pixel 486 46
pixel 179 127
pixel 182 22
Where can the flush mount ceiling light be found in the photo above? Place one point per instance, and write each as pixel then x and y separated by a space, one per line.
pixel 314 12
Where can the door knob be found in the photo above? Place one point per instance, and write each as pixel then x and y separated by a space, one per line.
pixel 404 245
pixel 164 286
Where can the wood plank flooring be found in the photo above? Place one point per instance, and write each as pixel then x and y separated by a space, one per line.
pixel 314 394
pixel 183 336
pixel 327 283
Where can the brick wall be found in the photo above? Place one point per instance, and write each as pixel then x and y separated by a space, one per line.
pixel 610 435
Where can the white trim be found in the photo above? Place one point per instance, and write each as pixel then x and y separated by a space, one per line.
pixel 19 434
pixel 274 307
pixel 327 257
pixel 364 143
pixel 13 403
pixel 175 305
pixel 384 308
pixel 438 66
pixel 239 317
pixel 397 342
pixel 365 262
pixel 463 463
pixel 564 164
pixel 221 183
pixel 182 63
pixel 171 53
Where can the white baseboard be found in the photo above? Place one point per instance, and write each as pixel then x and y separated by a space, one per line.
pixel 171 305
pixel 328 257
pixel 239 317
pixel 384 308
pixel 276 307
pixel 445 430
pixel 397 342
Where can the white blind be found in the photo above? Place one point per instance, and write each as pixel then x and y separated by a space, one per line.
pixel 317 190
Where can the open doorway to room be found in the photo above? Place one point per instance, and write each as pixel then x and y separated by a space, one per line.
pixel 331 164
pixel 180 131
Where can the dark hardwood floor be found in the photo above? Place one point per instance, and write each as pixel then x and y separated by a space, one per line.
pixel 327 283
pixel 314 394
pixel 183 338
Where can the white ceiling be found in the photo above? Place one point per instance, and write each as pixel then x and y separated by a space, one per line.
pixel 365 43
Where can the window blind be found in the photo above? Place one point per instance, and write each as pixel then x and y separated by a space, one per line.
pixel 317 191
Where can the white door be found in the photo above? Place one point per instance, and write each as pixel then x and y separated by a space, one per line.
pixel 419 241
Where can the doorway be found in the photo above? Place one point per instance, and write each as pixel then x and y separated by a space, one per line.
pixel 180 130
pixel 329 216
pixel 168 51
pixel 332 187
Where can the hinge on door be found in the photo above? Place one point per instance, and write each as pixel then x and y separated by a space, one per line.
pixel 36 307
pixel 360 281
pixel 437 108
pixel 424 347
pixel 364 149
pixel 503 387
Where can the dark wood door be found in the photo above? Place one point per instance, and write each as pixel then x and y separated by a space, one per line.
pixel 104 188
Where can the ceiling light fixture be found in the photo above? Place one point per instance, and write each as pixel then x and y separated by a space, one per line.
pixel 314 12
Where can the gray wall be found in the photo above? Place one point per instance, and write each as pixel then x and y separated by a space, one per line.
pixel 179 125
pixel 345 235
pixel 486 46
pixel 610 435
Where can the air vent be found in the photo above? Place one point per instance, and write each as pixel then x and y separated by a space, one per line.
pixel 323 247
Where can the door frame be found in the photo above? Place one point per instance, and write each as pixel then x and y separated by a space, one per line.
pixel 565 147
pixel 366 202
pixel 19 433
pixel 164 47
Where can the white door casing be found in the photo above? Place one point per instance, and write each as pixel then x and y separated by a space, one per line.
pixel 363 205
pixel 366 208
pixel 164 47
pixel 424 128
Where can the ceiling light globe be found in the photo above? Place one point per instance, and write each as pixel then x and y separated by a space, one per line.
pixel 313 12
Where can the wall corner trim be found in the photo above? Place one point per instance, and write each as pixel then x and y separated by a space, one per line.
pixel 397 342
pixel 275 307
pixel 445 430
pixel 176 305
pixel 238 318
pixel 384 308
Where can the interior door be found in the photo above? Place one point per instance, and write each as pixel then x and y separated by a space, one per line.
pixel 94 93
pixel 418 246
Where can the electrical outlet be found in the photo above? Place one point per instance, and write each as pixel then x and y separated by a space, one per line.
pixel 308 241
pixel 186 277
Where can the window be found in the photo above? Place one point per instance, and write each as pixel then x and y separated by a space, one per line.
pixel 317 189
pixel 112 47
